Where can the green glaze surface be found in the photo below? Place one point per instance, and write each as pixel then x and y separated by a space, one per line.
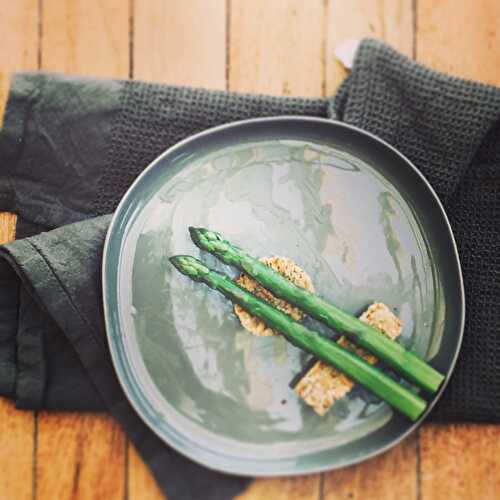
pixel 350 211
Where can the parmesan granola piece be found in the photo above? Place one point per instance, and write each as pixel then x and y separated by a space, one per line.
pixel 292 272
pixel 323 384
pixel 381 317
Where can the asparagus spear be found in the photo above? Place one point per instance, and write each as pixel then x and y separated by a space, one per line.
pixel 408 364
pixel 387 389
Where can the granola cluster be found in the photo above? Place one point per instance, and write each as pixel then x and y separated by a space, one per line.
pixel 291 271
pixel 323 384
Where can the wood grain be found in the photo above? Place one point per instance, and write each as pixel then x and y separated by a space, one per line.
pixel 460 461
pixel 16 452
pixel 460 38
pixel 18 51
pixel 391 476
pixel 277 47
pixel 88 37
pixel 82 456
pixel 7 227
pixel 181 43
pixel 390 20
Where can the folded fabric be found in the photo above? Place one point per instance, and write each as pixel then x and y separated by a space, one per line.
pixel 60 273
pixel 69 149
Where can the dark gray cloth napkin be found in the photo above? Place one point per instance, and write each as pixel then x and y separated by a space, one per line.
pixel 70 147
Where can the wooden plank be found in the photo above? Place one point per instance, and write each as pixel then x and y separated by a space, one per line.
pixel 277 47
pixel 463 40
pixel 16 452
pixel 7 227
pixel 391 476
pixel 180 43
pixel 79 455
pixel 88 37
pixel 390 20
pixel 18 51
pixel 460 462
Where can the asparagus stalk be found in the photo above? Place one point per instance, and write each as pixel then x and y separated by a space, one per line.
pixel 408 364
pixel 387 389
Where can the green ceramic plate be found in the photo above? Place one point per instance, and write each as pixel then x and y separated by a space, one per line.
pixel 351 210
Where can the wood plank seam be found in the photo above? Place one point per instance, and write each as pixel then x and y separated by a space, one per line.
pixel 22 19
pixel 35 414
pixel 414 10
pixel 131 29
pixel 321 489
pixel 417 441
pixel 228 42
pixel 324 40
pixel 40 35
pixel 35 455
pixel 418 465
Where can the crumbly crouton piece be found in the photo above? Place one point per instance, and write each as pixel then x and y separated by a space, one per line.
pixel 291 271
pixel 381 317
pixel 323 384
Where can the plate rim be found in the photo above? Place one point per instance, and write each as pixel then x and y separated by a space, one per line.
pixel 119 371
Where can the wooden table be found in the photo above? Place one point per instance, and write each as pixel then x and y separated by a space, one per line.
pixel 283 47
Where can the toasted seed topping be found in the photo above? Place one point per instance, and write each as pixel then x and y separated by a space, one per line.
pixel 323 384
pixel 291 271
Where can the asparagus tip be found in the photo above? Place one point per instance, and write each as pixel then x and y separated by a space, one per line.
pixel 204 238
pixel 189 266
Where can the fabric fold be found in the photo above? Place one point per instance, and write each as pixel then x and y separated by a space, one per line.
pixel 46 265
pixel 31 374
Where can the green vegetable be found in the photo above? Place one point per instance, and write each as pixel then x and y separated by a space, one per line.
pixel 408 364
pixel 387 389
